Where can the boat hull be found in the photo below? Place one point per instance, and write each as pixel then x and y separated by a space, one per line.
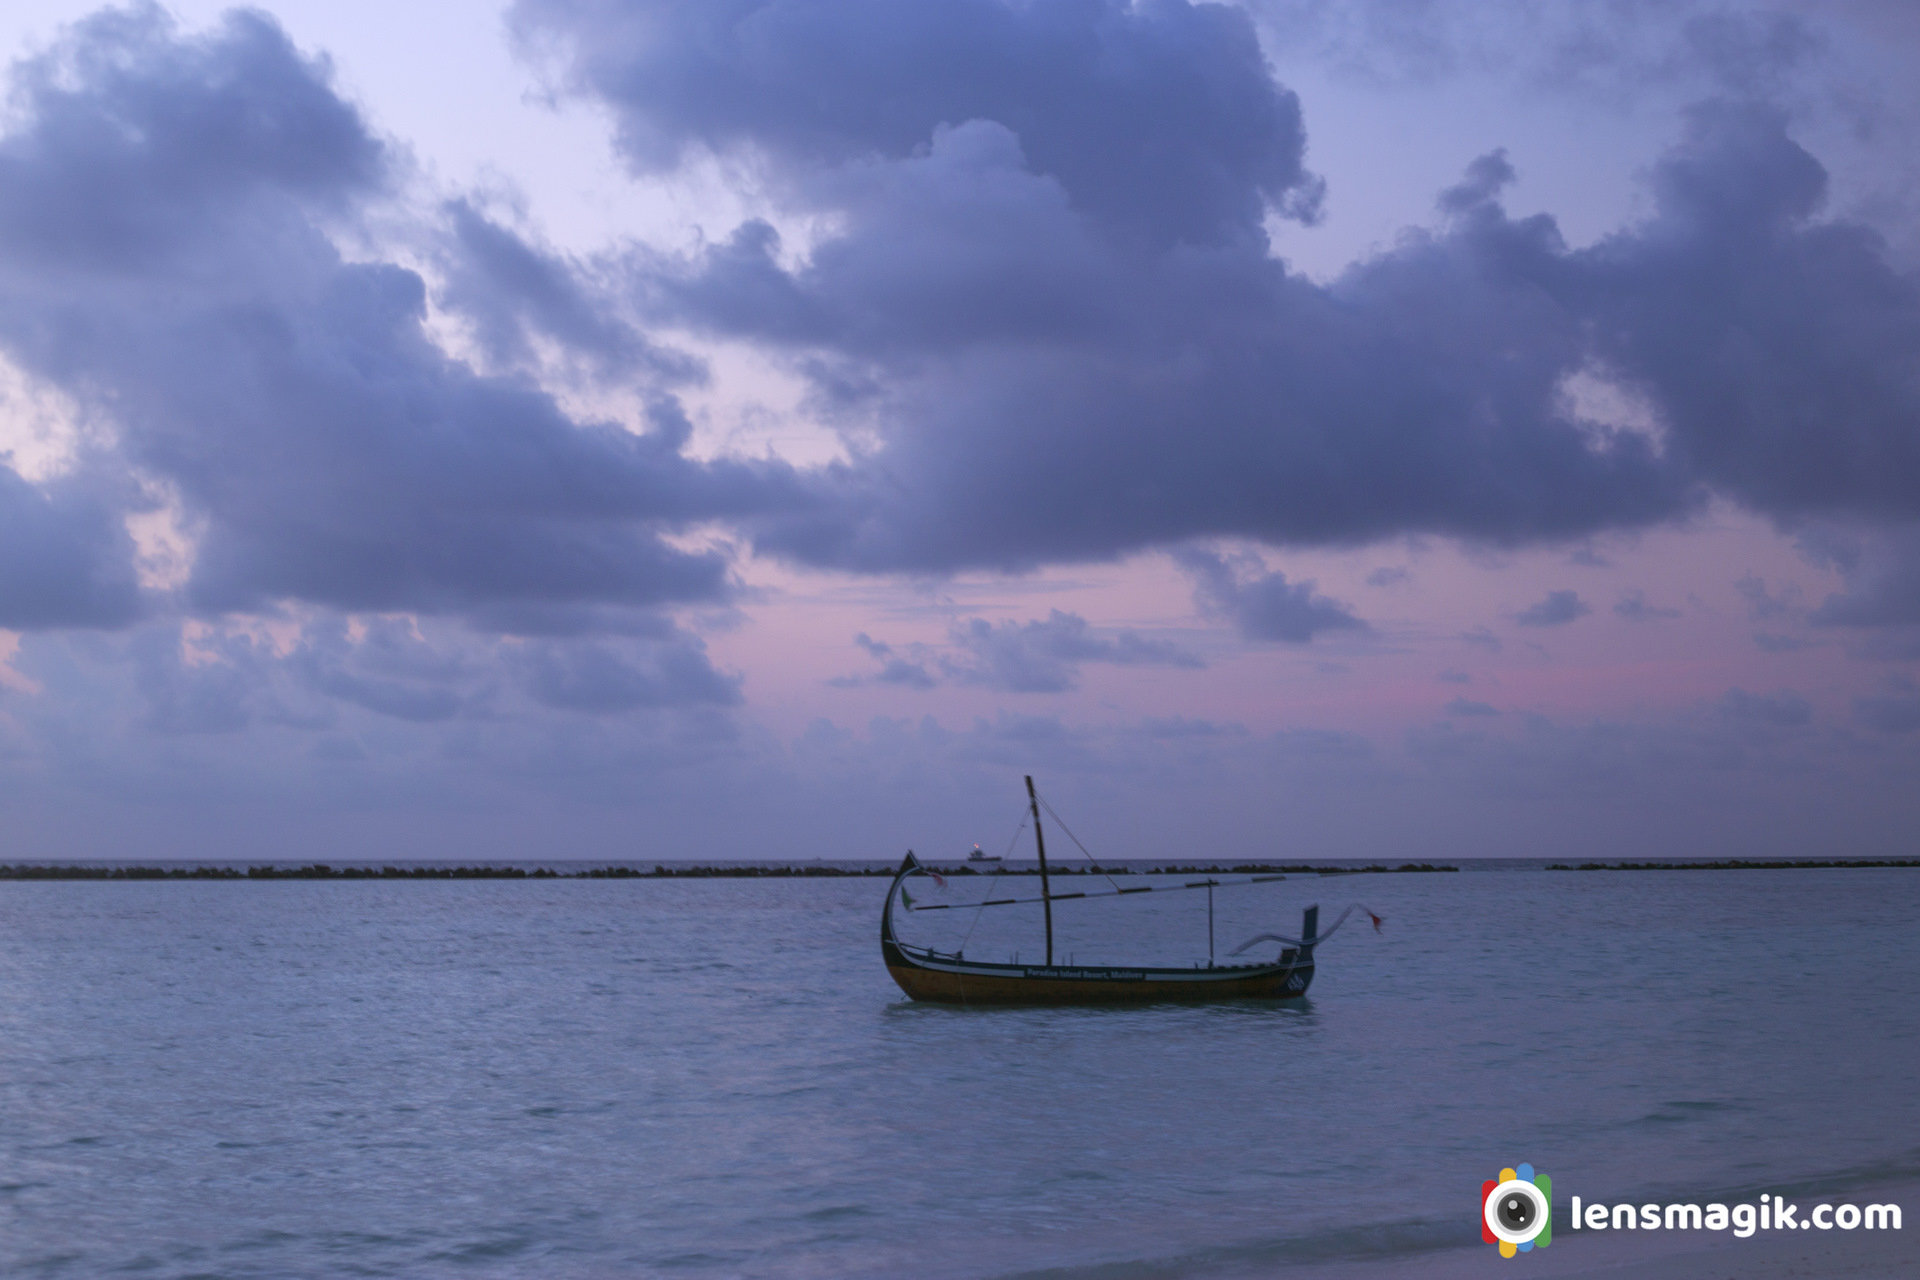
pixel 1061 984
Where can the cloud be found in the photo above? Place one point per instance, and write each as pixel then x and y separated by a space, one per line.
pixel 513 294
pixel 1763 605
pixel 1633 606
pixel 1783 709
pixel 1052 356
pixel 1044 656
pixel 1388 576
pixel 1041 656
pixel 1773 642
pixel 1065 354
pixel 1883 582
pixel 894 669
pixel 600 679
pixel 203 697
pixel 1781 359
pixel 1895 711
pixel 1556 610
pixel 333 672
pixel 1264 606
pixel 1320 745
pixel 389 669
pixel 1605 51
pixel 1466 707
pixel 167 211
pixel 65 561
pixel 1160 122
pixel 1182 727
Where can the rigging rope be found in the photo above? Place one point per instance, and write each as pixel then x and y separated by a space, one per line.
pixel 998 869
pixel 1076 839
pixel 1098 893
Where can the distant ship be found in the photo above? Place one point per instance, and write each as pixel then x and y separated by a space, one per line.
pixel 951 978
pixel 978 855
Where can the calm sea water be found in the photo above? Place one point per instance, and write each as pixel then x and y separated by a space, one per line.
pixel 717 1078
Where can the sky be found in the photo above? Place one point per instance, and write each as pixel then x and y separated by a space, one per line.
pixel 616 431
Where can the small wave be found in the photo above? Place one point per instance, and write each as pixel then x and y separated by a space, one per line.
pixel 837 1212
pixel 1278 1255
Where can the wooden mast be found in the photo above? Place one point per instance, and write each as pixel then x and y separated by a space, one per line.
pixel 1040 841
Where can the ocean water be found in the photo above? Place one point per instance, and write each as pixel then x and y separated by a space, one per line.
pixel 717 1078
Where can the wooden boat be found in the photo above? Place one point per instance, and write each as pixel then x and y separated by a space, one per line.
pixel 950 978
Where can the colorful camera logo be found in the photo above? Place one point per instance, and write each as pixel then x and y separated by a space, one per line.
pixel 1516 1211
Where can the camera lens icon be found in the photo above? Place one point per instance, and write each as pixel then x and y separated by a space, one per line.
pixel 1517 1211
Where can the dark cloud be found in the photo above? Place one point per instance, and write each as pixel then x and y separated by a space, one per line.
pixel 166 203
pixel 1157 122
pixel 1044 656
pixel 1388 576
pixel 1467 707
pixel 1773 642
pixel 1883 582
pixel 514 293
pixel 1263 606
pixel 1778 348
pixel 1783 709
pixel 1766 606
pixel 1037 386
pixel 1320 745
pixel 1609 50
pixel 388 669
pixel 220 681
pixel 1047 387
pixel 1881 601
pixel 1633 606
pixel 133 146
pixel 1453 677
pixel 1556 610
pixel 1485 178
pixel 216 693
pixel 1481 638
pixel 1895 711
pixel 534 618
pixel 597 677
pixel 65 559
pixel 334 672
pixel 1040 656
pixel 1182 727
pixel 893 668
pixel 388 697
